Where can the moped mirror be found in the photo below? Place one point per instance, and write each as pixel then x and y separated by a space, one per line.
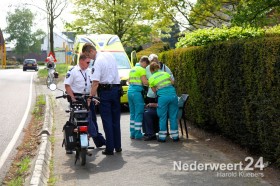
pixel 52 87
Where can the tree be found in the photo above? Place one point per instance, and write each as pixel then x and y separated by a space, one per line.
pixel 215 13
pixel 192 14
pixel 19 28
pixel 54 8
pixel 133 21
pixel 257 13
pixel 118 17
pixel 37 41
pixel 137 35
pixel 174 35
pixel 212 13
pixel 175 11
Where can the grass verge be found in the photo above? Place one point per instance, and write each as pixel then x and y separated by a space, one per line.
pixel 52 178
pixel 27 150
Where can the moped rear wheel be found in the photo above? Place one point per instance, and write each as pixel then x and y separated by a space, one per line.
pixel 83 155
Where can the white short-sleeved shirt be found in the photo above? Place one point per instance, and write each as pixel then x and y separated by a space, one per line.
pixel 78 79
pixel 105 69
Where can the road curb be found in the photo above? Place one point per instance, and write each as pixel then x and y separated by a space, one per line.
pixel 41 171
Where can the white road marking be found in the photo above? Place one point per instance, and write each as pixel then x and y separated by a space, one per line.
pixel 11 145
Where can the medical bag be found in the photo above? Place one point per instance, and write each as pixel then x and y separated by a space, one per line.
pixel 70 138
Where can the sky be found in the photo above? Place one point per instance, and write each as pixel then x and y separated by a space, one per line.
pixel 40 18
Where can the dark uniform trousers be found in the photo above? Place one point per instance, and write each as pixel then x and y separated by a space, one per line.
pixel 110 112
pixel 99 139
pixel 150 121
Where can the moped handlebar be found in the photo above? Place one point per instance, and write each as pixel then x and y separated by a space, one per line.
pixel 85 97
pixel 63 96
pixel 80 98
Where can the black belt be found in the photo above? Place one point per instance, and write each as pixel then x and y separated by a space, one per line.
pixel 107 86
pixel 79 94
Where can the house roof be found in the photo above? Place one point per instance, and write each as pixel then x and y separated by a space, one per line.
pixel 70 35
pixel 64 37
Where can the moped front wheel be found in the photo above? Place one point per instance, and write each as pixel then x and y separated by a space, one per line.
pixel 83 155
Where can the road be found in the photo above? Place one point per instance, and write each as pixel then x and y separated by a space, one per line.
pixel 145 163
pixel 16 97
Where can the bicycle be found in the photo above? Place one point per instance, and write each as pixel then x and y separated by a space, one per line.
pixel 52 74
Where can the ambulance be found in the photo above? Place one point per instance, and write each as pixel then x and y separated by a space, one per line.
pixel 107 43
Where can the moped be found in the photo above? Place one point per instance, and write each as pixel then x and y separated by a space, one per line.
pixel 76 129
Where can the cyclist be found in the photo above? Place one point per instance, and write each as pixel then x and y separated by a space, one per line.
pixel 50 62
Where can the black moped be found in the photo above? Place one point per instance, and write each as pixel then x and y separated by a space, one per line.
pixel 76 128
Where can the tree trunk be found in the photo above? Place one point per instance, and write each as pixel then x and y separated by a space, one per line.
pixel 51 37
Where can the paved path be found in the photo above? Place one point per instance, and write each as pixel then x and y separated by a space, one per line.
pixel 141 162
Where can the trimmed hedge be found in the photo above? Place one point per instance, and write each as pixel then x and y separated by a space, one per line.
pixel 206 36
pixel 234 89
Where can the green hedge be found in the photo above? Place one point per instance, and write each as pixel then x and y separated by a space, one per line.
pixel 201 37
pixel 206 36
pixel 234 89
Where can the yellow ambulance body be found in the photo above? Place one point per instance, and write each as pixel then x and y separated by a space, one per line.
pixel 107 43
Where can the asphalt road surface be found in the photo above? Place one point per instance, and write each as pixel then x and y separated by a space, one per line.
pixel 17 95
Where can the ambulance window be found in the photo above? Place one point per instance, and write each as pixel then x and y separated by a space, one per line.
pixel 123 62
pixel 113 40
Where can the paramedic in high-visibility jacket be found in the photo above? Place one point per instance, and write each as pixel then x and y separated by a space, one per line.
pixel 162 84
pixel 151 96
pixel 137 79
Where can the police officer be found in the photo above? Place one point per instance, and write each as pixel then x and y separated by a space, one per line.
pixel 161 83
pixel 77 82
pixel 106 81
pixel 151 96
pixel 137 78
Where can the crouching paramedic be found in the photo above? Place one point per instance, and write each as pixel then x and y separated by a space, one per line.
pixel 161 84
